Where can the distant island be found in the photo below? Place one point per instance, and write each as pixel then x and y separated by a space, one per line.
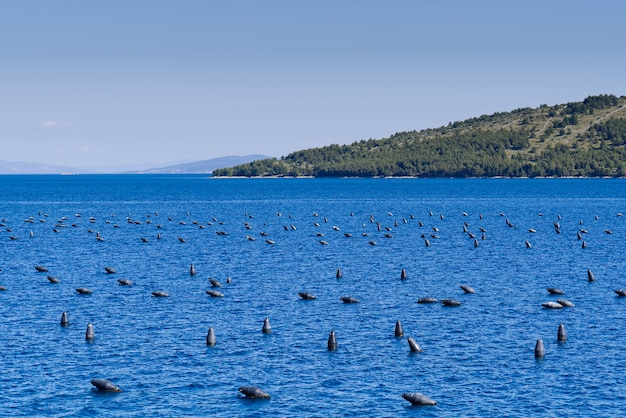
pixel 204 166
pixel 578 139
pixel 197 167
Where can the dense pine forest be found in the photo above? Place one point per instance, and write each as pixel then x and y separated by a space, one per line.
pixel 579 139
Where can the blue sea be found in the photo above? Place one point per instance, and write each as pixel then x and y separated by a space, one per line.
pixel 477 359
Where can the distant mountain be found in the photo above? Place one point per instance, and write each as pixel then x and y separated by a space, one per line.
pixel 197 167
pixel 14 167
pixel 204 166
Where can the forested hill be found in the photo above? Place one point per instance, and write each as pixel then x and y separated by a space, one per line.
pixel 585 139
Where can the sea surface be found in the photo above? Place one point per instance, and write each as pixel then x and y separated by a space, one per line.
pixel 477 360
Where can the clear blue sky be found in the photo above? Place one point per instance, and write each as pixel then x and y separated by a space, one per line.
pixel 95 84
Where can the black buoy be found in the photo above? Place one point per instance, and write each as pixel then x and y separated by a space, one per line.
pixel 267 328
pixel 253 392
pixel 210 337
pixel 215 294
pixel 562 335
pixel 160 294
pixel 399 332
pixel 467 289
pixel 418 399
pixel 332 341
pixel 415 348
pixel 64 320
pixel 89 334
pixel 539 349
pixel 590 276
pixel 105 385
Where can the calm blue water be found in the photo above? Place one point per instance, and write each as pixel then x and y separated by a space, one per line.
pixel 478 359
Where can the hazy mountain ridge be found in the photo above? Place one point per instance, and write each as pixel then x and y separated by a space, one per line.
pixel 196 167
pixel 19 167
pixel 204 166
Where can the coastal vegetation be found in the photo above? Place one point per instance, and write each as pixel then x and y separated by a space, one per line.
pixel 578 139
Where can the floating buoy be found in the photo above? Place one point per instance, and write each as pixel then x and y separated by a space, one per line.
pixel 215 294
pixel 590 276
pixel 210 337
pixel 253 392
pixel 332 341
pixel 89 334
pixel 105 385
pixel 565 303
pixel 413 346
pixel 539 349
pixel 267 328
pixel 467 289
pixel 399 332
pixel 418 399
pixel 64 320
pixel 160 294
pixel 561 334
